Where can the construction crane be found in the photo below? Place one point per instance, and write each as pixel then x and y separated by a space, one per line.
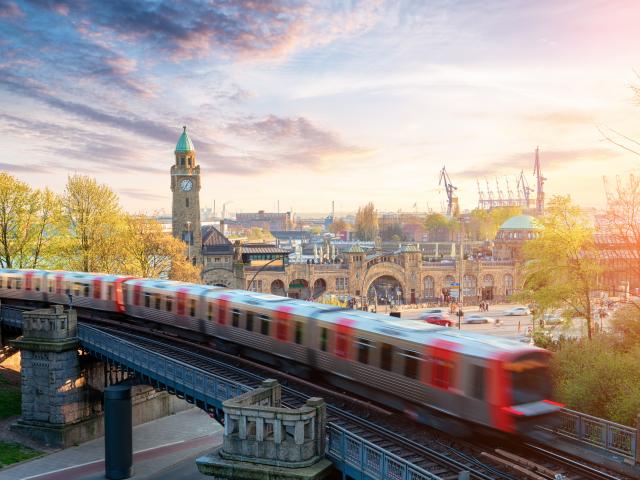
pixel 501 200
pixel 480 196
pixel 449 188
pixel 523 186
pixel 537 172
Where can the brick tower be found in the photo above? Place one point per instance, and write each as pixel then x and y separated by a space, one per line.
pixel 185 186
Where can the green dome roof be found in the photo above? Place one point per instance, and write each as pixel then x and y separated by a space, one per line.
pixel 410 249
pixel 355 249
pixel 521 222
pixel 184 142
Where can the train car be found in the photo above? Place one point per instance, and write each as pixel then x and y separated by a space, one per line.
pixel 427 371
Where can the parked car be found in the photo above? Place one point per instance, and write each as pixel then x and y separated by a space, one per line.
pixel 441 319
pixel 435 310
pixel 518 311
pixel 552 319
pixel 476 318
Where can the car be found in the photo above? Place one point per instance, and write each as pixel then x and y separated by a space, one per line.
pixel 518 311
pixel 441 319
pixel 442 311
pixel 476 318
pixel 551 319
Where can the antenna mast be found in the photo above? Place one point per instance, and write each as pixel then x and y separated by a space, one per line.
pixel 537 171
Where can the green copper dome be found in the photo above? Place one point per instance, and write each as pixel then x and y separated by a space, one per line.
pixel 521 222
pixel 355 249
pixel 184 142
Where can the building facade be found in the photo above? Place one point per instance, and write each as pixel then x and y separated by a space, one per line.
pixel 266 220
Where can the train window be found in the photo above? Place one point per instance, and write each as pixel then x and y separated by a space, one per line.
pixel 264 324
pixel 235 317
pixel 110 292
pixel 386 352
pixel 1 282
pixel 210 311
pixel 298 333
pixel 157 301
pixel 249 324
pixel 411 362
pixel 147 299
pixel 18 283
pixel 441 373
pixel 363 347
pixel 86 289
pixel 9 283
pixel 168 304
pixel 192 307
pixel 324 336
pixel 37 284
pixel 477 382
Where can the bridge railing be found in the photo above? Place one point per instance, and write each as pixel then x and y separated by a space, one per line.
pixel 205 389
pixel 611 436
pixel 11 316
pixel 353 454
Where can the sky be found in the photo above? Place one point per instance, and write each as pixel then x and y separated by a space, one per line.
pixel 305 103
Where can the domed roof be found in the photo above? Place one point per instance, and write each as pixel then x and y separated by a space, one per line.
pixel 521 222
pixel 184 142
pixel 410 249
pixel 355 249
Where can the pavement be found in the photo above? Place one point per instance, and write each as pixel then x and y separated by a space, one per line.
pixel 163 449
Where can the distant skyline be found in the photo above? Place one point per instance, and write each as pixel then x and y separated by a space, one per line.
pixel 309 102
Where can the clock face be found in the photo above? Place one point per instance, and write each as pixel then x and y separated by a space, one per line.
pixel 186 185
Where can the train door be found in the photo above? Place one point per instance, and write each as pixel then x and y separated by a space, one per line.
pixel 343 336
pixel 443 374
pixel 137 293
pixel 28 281
pixel 283 321
pixel 120 288
pixel 223 309
pixel 59 277
pixel 97 288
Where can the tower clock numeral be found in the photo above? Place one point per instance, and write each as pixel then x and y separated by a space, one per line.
pixel 186 185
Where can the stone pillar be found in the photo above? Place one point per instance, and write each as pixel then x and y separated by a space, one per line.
pixel 52 387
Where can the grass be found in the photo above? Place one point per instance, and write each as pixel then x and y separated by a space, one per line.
pixel 9 399
pixel 14 452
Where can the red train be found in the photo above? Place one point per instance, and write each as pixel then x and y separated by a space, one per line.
pixel 433 374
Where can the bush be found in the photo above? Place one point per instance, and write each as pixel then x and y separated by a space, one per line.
pixel 600 377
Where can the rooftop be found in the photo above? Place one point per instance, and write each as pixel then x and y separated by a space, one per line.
pixel 184 142
pixel 521 222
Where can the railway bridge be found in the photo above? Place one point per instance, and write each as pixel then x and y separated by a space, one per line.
pixel 358 448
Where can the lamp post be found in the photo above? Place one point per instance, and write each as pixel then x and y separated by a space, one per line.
pixel 260 269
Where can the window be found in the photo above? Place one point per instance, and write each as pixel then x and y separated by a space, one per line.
pixel 255 286
pixel 216 259
pixel 477 382
pixel 168 304
pixel 186 200
pixel 411 364
pixel 76 289
pixel 363 347
pixel 386 352
pixel 226 259
pixel 51 284
pixel 182 161
pixel 235 317
pixel 192 307
pixel 298 333
pixel 210 311
pixel 1 282
pixel 249 324
pixel 37 284
pixel 342 283
pixel 441 373
pixel 85 289
pixel 157 301
pixel 110 293
pixel 264 324
pixel 147 299
pixel 324 336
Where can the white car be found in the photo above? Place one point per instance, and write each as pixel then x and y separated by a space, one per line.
pixel 518 311
pixel 476 318
pixel 552 319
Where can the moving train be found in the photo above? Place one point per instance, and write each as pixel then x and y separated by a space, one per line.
pixel 431 373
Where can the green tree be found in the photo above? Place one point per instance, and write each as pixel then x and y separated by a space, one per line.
pixel 366 225
pixel 28 219
pixel 338 225
pixel 95 226
pixel 561 268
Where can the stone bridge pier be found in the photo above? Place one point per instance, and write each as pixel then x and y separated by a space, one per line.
pixel 62 388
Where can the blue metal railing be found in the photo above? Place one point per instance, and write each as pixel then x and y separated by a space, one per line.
pixel 11 316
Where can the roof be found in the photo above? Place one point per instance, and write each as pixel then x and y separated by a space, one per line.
pixel 212 236
pixel 261 248
pixel 184 142
pixel 355 249
pixel 521 222
pixel 410 249
pixel 291 234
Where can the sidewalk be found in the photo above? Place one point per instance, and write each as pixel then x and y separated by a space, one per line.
pixel 157 446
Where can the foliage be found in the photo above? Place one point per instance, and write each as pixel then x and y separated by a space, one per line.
pixel 435 221
pixel 391 232
pixel 484 224
pixel 560 268
pixel 626 324
pixel 14 453
pixel 338 225
pixel 95 226
pixel 257 234
pixel 366 223
pixel 27 218
pixel 599 377
pixel 9 401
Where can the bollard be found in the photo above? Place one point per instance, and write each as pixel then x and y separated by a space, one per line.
pixel 118 447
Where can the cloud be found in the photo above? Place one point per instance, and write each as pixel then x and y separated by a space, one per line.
pixel 10 9
pixel 24 168
pixel 550 159
pixel 294 142
pixel 139 194
pixel 559 119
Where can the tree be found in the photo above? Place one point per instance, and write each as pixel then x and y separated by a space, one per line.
pixel 185 271
pixel 27 218
pixel 151 253
pixel 338 225
pixel 95 226
pixel 561 268
pixel 366 223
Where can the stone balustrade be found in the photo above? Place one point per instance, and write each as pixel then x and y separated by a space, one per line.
pixel 259 430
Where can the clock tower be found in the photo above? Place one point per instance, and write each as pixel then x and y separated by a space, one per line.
pixel 185 186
